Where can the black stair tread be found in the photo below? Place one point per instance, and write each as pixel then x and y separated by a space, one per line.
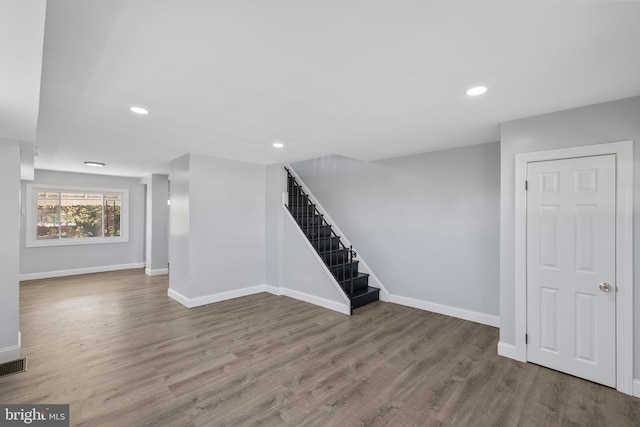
pixel 365 296
pixel 365 291
pixel 307 222
pixel 332 240
pixel 320 227
pixel 331 251
pixel 345 265
pixel 348 279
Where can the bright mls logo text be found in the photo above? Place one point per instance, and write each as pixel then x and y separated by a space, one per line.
pixel 26 416
pixel 43 415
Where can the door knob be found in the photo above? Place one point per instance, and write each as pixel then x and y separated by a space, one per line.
pixel 605 287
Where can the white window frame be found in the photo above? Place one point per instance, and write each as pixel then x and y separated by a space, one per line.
pixel 31 216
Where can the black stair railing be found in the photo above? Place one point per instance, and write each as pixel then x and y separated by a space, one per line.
pixel 336 256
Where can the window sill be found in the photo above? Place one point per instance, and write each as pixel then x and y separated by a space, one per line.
pixel 75 242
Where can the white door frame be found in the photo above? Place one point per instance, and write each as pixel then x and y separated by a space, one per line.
pixel 624 249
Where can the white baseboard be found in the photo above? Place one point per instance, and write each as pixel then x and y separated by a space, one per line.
pixel 76 271
pixel 460 313
pixel 636 387
pixel 507 350
pixel 275 290
pixel 343 308
pixel 177 296
pixel 157 272
pixel 210 299
pixel 8 354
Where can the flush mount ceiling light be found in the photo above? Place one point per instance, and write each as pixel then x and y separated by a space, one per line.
pixel 278 145
pixel 475 91
pixel 139 110
pixel 95 164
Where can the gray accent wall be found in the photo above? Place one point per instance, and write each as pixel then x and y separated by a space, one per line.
pixel 595 124
pixel 44 260
pixel 427 225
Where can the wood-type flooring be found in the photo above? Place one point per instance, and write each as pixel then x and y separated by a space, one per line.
pixel 121 353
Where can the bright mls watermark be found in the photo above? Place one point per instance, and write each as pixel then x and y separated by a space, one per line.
pixel 34 415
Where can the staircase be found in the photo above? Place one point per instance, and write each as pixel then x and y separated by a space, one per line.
pixel 339 259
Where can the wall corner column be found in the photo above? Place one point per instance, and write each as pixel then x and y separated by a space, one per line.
pixel 157 225
pixel 10 250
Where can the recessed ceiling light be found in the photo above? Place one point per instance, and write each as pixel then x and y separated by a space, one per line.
pixel 139 110
pixel 278 144
pixel 95 164
pixel 478 90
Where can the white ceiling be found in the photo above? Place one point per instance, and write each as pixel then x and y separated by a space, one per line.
pixel 21 35
pixel 364 79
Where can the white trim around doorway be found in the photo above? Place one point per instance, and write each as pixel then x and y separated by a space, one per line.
pixel 624 250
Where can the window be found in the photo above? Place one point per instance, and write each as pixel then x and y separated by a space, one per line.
pixel 74 215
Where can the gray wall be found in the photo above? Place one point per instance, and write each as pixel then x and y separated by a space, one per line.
pixel 607 122
pixel 9 244
pixel 51 259
pixel 427 225
pixel 218 220
pixel 157 224
pixel 179 226
pixel 275 185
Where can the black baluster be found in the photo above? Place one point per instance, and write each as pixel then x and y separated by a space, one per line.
pixel 289 189
pixel 300 214
pixel 318 219
pixel 351 267
pixel 340 270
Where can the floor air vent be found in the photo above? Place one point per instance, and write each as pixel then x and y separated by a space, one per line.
pixel 13 367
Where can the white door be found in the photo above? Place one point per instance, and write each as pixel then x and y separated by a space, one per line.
pixel 571 298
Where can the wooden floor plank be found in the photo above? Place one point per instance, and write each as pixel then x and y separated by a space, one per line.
pixel 120 352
